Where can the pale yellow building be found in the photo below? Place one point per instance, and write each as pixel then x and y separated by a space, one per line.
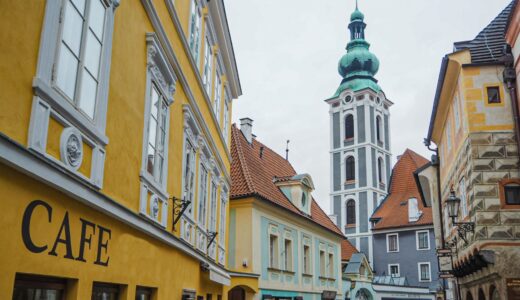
pixel 114 148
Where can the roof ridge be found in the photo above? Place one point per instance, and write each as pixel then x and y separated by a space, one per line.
pixel 241 161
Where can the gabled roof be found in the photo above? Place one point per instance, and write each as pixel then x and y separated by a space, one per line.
pixel 347 250
pixel 393 211
pixel 252 175
pixel 488 45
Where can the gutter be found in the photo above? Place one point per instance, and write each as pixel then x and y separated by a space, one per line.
pixel 440 85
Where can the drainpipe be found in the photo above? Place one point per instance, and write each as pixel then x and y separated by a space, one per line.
pixel 509 75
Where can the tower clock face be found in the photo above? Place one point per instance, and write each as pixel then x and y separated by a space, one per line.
pixel 348 99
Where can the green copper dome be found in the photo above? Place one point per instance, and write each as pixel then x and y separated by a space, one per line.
pixel 358 66
pixel 357 15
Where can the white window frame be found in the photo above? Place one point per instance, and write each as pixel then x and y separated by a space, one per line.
pixel 330 269
pixel 288 258
pixel 398 270
pixel 213 194
pixel 50 101
pixel 323 262
pixel 274 261
pixel 417 233
pixel 202 206
pixel 217 101
pixel 225 121
pixel 223 215
pixel 207 74
pixel 188 192
pixel 429 271
pixel 161 76
pixel 195 37
pixel 388 242
pixel 307 259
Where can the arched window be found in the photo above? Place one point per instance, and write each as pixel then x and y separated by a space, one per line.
pixel 350 169
pixel 351 212
pixel 380 170
pixel 349 127
pixel 469 296
pixel 379 130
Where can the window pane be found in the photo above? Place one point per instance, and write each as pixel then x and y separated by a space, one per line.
pixel 67 72
pixel 150 156
pixel 97 18
pixel 152 133
pixel 87 100
pixel 493 94
pixel 512 194
pixel 80 6
pixel 155 103
pixel 72 28
pixel 92 54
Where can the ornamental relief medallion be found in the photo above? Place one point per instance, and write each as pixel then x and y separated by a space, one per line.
pixel 71 148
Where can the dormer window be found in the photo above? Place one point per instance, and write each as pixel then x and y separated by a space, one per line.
pixel 413 210
pixel 297 188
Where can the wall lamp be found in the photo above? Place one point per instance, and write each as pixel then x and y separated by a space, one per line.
pixel 453 206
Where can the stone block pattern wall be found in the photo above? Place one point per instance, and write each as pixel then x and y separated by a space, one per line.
pixel 485 159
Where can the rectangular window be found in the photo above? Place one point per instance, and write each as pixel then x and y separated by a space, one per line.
pixel 203 190
pixel 393 270
pixel 512 193
pixel 80 51
pixel 157 127
pixel 463 198
pixel 189 176
pixel 392 242
pixel 424 271
pixel 194 38
pixel 456 112
pixel 223 210
pixel 423 240
pixel 306 259
pixel 104 291
pixel 331 265
pixel 218 96
pixel 288 255
pixel 493 94
pixel 143 293
pixel 213 208
pixel 208 66
pixel 225 126
pixel 38 287
pixel 322 264
pixel 273 251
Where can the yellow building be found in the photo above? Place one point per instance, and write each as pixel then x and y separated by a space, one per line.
pixel 473 127
pixel 114 149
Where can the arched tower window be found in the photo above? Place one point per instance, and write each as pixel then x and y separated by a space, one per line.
pixel 351 212
pixel 379 130
pixel 349 127
pixel 380 170
pixel 350 169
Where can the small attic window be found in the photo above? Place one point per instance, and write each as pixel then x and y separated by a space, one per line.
pixel 413 210
pixel 304 199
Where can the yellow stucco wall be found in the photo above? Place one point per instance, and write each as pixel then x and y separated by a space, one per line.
pixel 136 259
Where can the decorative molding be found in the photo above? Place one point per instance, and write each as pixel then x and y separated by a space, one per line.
pixel 159 68
pixel 71 148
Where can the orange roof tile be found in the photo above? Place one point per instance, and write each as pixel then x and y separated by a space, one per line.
pixel 393 212
pixel 254 176
pixel 347 249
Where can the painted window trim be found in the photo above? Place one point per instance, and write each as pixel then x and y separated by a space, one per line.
pixel 159 74
pixel 309 246
pixel 502 183
pixel 274 259
pixel 44 86
pixel 417 239
pixel 198 11
pixel 388 242
pixel 500 93
pixel 398 269
pixel 429 271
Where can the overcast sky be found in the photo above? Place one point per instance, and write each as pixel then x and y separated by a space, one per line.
pixel 287 53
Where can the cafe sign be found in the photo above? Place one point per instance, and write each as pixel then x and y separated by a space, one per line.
pixel 92 236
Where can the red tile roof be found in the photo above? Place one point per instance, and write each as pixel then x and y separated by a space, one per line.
pixel 254 176
pixel 347 249
pixel 393 212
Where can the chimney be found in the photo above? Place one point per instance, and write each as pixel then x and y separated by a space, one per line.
pixel 246 126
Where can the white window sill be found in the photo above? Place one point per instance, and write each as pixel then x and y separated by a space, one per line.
pixel 156 187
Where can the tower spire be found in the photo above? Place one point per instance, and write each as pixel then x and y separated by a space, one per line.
pixel 356 4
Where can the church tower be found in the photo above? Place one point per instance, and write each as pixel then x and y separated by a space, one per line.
pixel 359 141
